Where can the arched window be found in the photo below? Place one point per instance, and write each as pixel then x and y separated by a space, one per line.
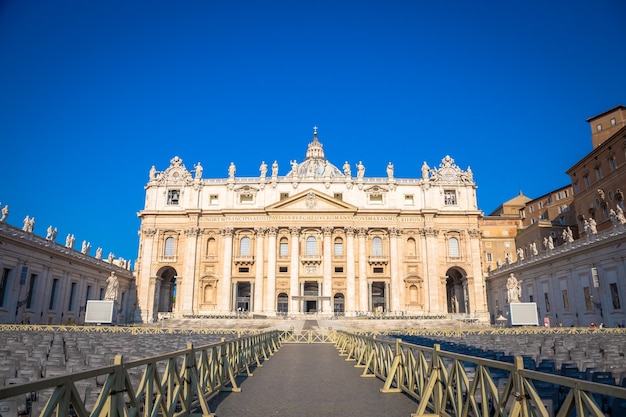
pixel 338 247
pixel 377 246
pixel 244 246
pixel 411 247
pixel 311 245
pixel 453 247
pixel 283 248
pixel 169 247
pixel 211 248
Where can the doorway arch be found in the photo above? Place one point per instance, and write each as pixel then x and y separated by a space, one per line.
pixel 165 292
pixel 457 298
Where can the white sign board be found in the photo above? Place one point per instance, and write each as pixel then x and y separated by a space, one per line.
pixel 99 311
pixel 524 314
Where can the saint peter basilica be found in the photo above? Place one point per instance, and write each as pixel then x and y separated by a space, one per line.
pixel 314 240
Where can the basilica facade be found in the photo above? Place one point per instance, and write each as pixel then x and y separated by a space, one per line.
pixel 316 240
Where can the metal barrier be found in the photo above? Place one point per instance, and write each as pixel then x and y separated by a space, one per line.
pixel 451 384
pixel 174 384
pixel 307 336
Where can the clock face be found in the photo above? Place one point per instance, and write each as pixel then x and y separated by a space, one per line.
pixel 447 174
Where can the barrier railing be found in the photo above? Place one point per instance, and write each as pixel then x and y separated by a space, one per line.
pixel 452 384
pixel 173 384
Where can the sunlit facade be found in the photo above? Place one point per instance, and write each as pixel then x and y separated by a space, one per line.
pixel 316 240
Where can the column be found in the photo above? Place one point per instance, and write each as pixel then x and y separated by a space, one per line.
pixel 364 299
pixel 258 277
pixel 328 270
pixel 145 298
pixel 293 269
pixel 223 297
pixel 476 282
pixel 432 303
pixel 234 295
pixel 270 296
pixel 369 297
pixel 350 301
pixel 396 285
pixel 185 293
pixel 387 296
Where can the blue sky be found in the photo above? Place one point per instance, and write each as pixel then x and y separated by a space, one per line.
pixel 93 93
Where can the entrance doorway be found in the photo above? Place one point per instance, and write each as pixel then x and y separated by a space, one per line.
pixel 456 292
pixel 243 297
pixel 311 289
pixel 339 304
pixel 378 297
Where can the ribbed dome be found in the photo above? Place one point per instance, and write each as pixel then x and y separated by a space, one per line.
pixel 315 164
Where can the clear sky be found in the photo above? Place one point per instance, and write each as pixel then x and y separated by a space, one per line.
pixel 93 93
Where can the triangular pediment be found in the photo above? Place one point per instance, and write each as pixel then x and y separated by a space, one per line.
pixel 311 200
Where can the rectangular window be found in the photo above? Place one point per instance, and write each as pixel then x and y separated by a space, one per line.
pixel 283 269
pixel 284 196
pixel 546 297
pixel 449 197
pixel 598 173
pixel 4 282
pixel 376 198
pixel 565 300
pixel 172 197
pixel 72 303
pixel 88 294
pixel 588 304
pixel 540 205
pixel 338 248
pixel 599 128
pixel 613 122
pixel 101 297
pixel 31 291
pixel 489 257
pixel 576 188
pixel 244 270
pixel 408 199
pixel 549 200
pixel 615 296
pixel 213 200
pixel 586 180
pixel 338 196
pixel 378 270
pixel 339 269
pixel 246 199
pixel 612 164
pixel 53 294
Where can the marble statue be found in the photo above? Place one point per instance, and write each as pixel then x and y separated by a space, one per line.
pixel 49 233
pixel 346 169
pixel 99 253
pixel 520 254
pixel 263 169
pixel 425 170
pixel 199 170
pixel 513 289
pixel 153 172
pixel 112 288
pixel 620 215
pixel 26 223
pixel 507 259
pixel 613 217
pixel 85 247
pixel 111 257
pixel 232 169
pixel 570 235
pixel 275 169
pixel 327 169
pixel 5 213
pixel 390 170
pixel 550 243
pixel 360 170
pixel 294 168
pixel 533 248
pixel 592 226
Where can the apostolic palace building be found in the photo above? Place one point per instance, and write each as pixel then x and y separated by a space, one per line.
pixel 316 239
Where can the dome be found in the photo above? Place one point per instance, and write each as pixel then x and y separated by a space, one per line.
pixel 315 164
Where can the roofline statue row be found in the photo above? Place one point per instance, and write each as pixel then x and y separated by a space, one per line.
pixel 315 166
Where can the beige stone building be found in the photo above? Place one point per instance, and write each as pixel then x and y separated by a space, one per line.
pixel 45 282
pixel 579 277
pixel 316 240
